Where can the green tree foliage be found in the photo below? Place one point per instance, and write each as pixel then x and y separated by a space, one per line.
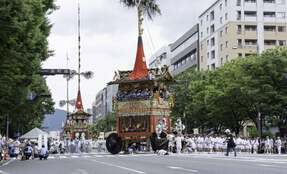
pixel 235 93
pixel 105 124
pixel 151 7
pixel 24 28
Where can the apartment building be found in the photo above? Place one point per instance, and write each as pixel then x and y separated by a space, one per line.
pixel 180 55
pixel 104 101
pixel 160 57
pixel 238 28
pixel 184 51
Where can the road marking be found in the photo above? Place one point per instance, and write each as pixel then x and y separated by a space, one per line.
pixel 5 164
pixel 74 156
pixel 121 167
pixel 266 165
pixel 98 156
pixel 180 168
pixel 63 157
pixel 1 172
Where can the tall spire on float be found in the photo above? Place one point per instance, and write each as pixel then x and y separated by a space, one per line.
pixel 79 103
pixel 140 70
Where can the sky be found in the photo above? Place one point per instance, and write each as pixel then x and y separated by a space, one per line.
pixel 109 40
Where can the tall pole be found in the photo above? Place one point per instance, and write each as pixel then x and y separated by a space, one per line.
pixel 7 127
pixel 68 78
pixel 79 46
pixel 140 17
pixel 185 104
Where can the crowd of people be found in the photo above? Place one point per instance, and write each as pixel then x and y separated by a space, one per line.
pixel 134 94
pixel 138 94
pixel 220 143
pixel 23 150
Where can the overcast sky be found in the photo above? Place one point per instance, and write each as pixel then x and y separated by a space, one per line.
pixel 109 38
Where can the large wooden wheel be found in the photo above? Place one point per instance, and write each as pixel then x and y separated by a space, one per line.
pixel 114 143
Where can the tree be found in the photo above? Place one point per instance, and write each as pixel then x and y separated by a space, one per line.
pixel 150 7
pixel 24 28
pixel 106 124
pixel 235 93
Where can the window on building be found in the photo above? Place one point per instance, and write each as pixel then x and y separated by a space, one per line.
pixel 212 16
pixel 207 17
pixel 250 42
pixel 281 2
pixel 239 54
pixel 226 44
pixel 250 27
pixel 212 41
pixel 207 30
pixel 269 1
pixel 221 61
pixel 201 58
pixel 239 43
pixel 212 29
pixel 239 29
pixel 238 3
pixel 270 28
pixel 250 13
pixel 207 42
pixel 269 14
pixel 221 20
pixel 282 42
pixel 221 33
pixel 269 42
pixel 201 46
pixel 226 29
pixel 226 16
pixel 238 15
pixel 213 54
pixel 201 34
pixel 250 1
pixel 213 66
pixel 281 15
pixel 281 29
pixel 220 7
pixel 207 55
pixel 225 3
pixel 201 22
pixel 221 47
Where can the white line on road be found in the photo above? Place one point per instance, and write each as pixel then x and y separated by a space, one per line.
pixel 1 172
pixel 180 168
pixel 121 167
pixel 266 165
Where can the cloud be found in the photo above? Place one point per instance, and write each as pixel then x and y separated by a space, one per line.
pixel 109 38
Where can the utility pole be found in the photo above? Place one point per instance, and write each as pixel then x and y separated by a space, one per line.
pixel 185 104
pixel 7 126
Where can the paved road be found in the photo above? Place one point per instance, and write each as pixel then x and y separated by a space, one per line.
pixel 150 164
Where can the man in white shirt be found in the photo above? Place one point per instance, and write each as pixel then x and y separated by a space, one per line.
pixel 178 140
pixel 43 153
pixel 278 143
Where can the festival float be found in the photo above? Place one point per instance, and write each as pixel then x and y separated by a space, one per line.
pixel 142 105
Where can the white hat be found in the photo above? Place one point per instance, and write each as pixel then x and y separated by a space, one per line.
pixel 227 131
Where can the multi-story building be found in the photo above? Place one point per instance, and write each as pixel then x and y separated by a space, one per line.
pixel 104 101
pixel 161 57
pixel 180 55
pixel 239 28
pixel 184 51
